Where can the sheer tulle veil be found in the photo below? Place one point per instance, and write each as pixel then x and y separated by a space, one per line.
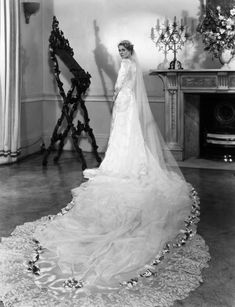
pixel 151 133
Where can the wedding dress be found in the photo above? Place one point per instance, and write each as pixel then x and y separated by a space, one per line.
pixel 125 234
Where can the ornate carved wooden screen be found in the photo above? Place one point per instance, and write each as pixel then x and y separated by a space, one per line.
pixel 72 101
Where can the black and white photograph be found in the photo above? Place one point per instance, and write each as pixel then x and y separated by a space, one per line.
pixel 117 153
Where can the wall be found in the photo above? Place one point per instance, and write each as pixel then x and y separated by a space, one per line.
pixel 32 82
pixel 94 29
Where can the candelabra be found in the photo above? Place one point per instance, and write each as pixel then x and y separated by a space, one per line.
pixel 170 37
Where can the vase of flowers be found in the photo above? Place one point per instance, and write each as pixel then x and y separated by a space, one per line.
pixel 218 35
pixel 227 59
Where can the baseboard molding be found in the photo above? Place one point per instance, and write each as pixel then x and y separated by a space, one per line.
pixel 89 98
pixel 84 143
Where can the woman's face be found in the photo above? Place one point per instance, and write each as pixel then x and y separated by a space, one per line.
pixel 124 53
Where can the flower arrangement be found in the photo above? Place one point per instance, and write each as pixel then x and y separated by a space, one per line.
pixel 218 31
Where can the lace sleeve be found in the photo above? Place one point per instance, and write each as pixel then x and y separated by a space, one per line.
pixel 122 75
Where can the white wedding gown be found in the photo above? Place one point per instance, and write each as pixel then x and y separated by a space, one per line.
pixel 120 224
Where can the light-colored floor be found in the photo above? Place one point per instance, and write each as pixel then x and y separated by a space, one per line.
pixel 28 191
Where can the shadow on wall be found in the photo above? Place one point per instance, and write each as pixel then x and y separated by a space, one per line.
pixel 104 62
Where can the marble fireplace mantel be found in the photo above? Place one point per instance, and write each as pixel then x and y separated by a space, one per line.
pixel 179 82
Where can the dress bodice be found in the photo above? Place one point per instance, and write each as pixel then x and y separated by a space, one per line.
pixel 126 75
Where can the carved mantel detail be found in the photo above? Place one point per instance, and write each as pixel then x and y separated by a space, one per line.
pixel 179 82
pixel 198 82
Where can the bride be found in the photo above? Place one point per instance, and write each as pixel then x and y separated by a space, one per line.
pixel 121 240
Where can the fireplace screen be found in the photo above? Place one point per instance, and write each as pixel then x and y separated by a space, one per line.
pixel 217 125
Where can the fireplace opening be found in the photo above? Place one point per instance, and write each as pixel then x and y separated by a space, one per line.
pixel 217 126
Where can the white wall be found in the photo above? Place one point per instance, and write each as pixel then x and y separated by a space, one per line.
pixel 94 28
pixel 32 82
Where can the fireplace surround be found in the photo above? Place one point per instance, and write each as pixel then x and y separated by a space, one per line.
pixel 199 112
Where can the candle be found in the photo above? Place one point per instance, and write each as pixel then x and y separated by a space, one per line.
pixel 158 25
pixel 152 34
pixel 192 26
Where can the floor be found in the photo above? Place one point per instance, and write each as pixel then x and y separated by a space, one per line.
pixel 207 164
pixel 29 191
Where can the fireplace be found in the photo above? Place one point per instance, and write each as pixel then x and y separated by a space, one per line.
pixel 209 125
pixel 199 112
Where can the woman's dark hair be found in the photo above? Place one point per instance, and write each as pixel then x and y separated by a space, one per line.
pixel 127 44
